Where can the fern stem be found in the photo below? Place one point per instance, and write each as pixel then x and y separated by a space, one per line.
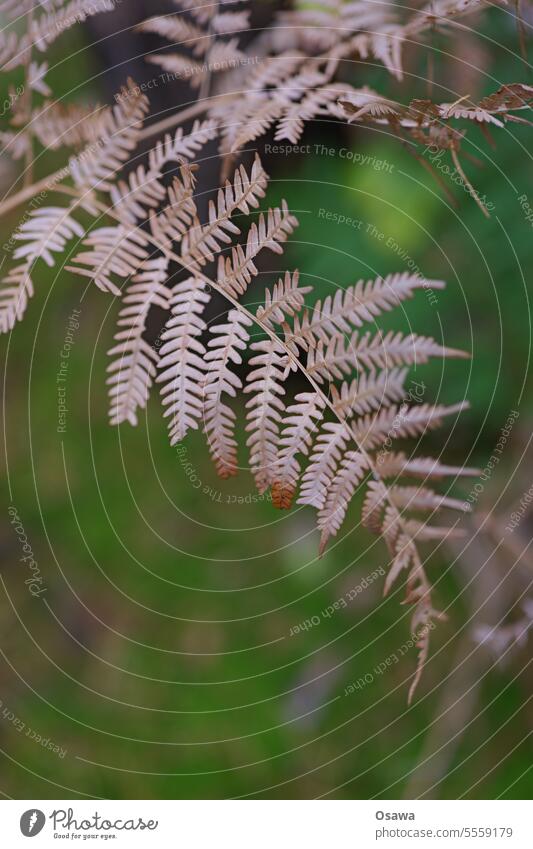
pixel 468 184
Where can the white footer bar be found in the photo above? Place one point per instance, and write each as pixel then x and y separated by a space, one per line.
pixel 267 824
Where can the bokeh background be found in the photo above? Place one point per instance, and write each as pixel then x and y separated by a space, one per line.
pixel 162 661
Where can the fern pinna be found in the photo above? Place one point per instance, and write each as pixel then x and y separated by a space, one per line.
pixel 322 445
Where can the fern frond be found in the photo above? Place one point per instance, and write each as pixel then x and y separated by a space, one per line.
pixel 180 66
pixel 351 307
pixel 296 439
pixel 204 241
pixel 235 272
pixel 202 35
pixel 422 621
pixel 37 72
pixel 172 148
pixel 286 299
pixel 96 166
pixel 15 144
pixel 401 422
pixel 421 498
pixel 46 232
pixel 386 46
pixel 351 472
pixel 325 27
pixel 15 291
pixel 45 29
pixel 369 392
pixel 15 8
pixel 182 363
pixel 375 501
pixel 225 347
pixel 265 409
pixel 226 23
pixel 178 215
pixel 116 251
pixel 339 356
pixel 254 117
pixel 272 71
pixel 135 197
pixel 422 532
pixel 328 449
pixel 393 465
pixel 132 371
pixel 73 125
pixel 291 126
pixel 179 30
pixel 205 12
pixel 225 54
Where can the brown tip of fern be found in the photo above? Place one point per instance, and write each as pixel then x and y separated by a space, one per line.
pixel 282 495
pixel 324 539
pixel 226 472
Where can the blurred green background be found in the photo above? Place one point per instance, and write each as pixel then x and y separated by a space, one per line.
pixel 161 658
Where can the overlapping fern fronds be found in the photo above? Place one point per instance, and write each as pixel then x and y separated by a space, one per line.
pixel 320 446
pixel 149 247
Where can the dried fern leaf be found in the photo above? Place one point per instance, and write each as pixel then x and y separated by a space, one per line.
pixel 227 23
pixel 350 307
pixel 393 465
pixel 178 215
pixel 350 473
pixel 182 364
pixel 95 167
pixel 421 498
pixel 46 232
pixel 116 252
pixel 180 66
pixel 44 30
pixel 179 30
pixel 369 392
pixel 133 368
pixel 286 299
pixel 376 499
pixel 172 148
pixel 227 343
pixel 272 71
pixel 404 555
pixel 421 531
pixel 73 125
pixel 203 242
pixel 15 291
pixel 235 272
pixel 339 356
pixel 328 450
pixel 14 144
pixel 296 439
pixel 250 121
pixel 265 409
pixel 401 422
pixel 134 198
pixel 292 124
